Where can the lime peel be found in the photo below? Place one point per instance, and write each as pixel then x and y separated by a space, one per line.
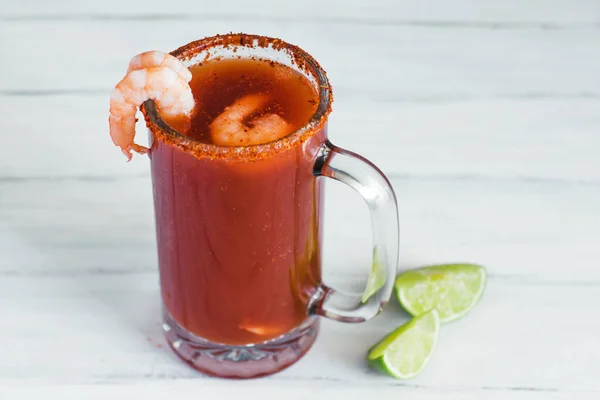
pixel 452 289
pixel 405 352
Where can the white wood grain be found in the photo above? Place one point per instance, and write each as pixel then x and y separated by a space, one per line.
pixel 531 139
pixel 373 61
pixel 494 12
pixel 106 329
pixel 429 101
pixel 536 231
pixel 483 113
pixel 266 389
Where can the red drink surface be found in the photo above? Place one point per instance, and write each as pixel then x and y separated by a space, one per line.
pixel 238 240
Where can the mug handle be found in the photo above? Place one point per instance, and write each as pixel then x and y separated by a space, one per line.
pixel 364 177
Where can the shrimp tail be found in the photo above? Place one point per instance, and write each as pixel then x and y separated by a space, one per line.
pixel 122 132
pixel 133 147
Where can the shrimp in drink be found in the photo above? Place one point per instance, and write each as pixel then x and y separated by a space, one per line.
pixel 234 128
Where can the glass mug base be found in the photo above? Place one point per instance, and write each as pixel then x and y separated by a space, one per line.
pixel 240 362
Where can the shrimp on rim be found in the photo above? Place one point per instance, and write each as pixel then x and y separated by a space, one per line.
pixel 151 75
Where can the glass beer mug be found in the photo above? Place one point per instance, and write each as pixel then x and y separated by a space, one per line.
pixel 239 230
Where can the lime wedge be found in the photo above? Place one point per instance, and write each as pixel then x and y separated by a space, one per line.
pixel 451 289
pixel 406 351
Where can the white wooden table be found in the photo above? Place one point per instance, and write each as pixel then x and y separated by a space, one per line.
pixel 485 115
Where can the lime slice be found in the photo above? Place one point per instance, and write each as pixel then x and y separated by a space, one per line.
pixel 376 279
pixel 451 289
pixel 406 351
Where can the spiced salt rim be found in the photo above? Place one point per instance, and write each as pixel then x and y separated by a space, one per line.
pixel 300 59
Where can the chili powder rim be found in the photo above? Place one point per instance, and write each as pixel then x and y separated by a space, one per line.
pixel 301 59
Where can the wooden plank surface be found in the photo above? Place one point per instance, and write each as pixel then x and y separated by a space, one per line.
pixel 519 230
pixel 379 62
pixel 551 139
pixel 106 329
pixel 505 102
pixel 482 12
pixel 483 114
